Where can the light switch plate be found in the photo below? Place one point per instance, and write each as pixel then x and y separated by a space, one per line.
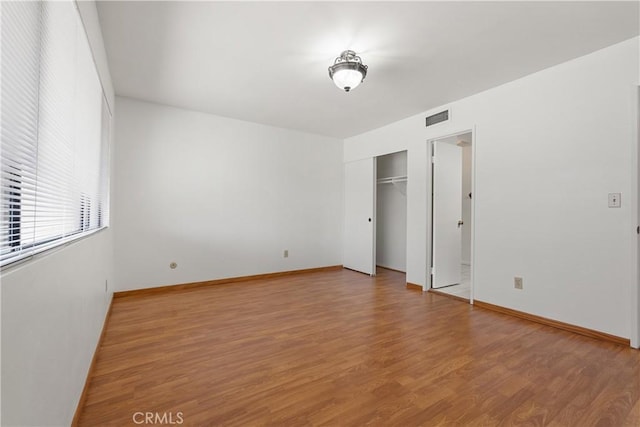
pixel 517 282
pixel 614 200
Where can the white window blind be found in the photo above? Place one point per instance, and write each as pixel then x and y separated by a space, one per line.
pixel 55 131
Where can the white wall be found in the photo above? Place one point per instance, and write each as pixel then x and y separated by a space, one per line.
pixel 391 213
pixel 548 149
pixel 53 309
pixel 220 197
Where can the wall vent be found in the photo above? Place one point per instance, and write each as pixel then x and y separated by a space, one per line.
pixel 442 116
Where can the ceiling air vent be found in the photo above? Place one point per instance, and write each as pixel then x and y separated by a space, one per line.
pixel 442 116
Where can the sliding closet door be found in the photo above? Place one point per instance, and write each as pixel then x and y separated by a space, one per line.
pixel 359 224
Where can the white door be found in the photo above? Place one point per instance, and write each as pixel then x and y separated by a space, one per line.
pixel 359 224
pixel 447 214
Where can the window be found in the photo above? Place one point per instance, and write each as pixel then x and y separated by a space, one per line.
pixel 55 131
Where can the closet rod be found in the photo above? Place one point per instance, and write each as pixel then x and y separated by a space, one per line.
pixel 392 180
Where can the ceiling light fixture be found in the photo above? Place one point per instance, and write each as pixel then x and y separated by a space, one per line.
pixel 348 71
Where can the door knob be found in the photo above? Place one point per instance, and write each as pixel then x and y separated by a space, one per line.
pixel 460 223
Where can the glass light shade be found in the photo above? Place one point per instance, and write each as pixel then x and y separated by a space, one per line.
pixel 347 79
pixel 348 71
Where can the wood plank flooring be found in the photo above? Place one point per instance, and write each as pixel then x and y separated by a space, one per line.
pixel 342 349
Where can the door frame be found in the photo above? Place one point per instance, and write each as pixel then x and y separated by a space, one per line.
pixel 429 217
pixel 634 293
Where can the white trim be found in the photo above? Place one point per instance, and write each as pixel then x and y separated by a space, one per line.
pixel 472 251
pixel 634 287
pixel 53 247
pixel 374 218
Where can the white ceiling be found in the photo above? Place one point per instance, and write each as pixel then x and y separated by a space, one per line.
pixel 267 62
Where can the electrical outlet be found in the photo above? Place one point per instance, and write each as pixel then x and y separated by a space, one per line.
pixel 517 282
pixel 286 253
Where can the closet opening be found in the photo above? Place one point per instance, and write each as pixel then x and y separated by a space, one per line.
pixel 391 212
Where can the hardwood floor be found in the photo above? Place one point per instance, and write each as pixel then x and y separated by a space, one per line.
pixel 342 349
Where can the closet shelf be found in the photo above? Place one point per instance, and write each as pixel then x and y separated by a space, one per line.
pixel 396 181
pixel 392 179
